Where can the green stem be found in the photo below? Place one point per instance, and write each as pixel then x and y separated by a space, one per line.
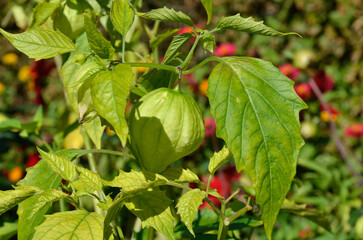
pixel 221 227
pixel 62 205
pixel 190 54
pixel 221 215
pixel 150 234
pixel 155 50
pixel 208 184
pixel 218 59
pixel 123 49
pixel 106 152
pixel 178 185
pixel 241 212
pixel 150 65
pixel 233 195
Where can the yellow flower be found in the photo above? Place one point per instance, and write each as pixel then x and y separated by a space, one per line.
pixel 2 88
pixel 16 174
pixel 203 87
pixel 10 59
pixel 143 69
pixel 24 74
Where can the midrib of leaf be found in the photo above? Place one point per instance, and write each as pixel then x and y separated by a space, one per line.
pixel 30 35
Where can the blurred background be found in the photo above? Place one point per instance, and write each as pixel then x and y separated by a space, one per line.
pixel 326 65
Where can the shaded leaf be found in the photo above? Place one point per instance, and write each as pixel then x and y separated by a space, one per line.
pixel 218 159
pixel 188 206
pixel 8 230
pixel 40 43
pixel 207 4
pixel 180 175
pixel 95 130
pixel 41 12
pixel 257 114
pixel 156 78
pixel 110 90
pixel 248 25
pixel 153 208
pixel 10 124
pixel 175 45
pixel 112 213
pixel 122 16
pixel 162 37
pixel 77 224
pixel 167 15
pixel 11 198
pixel 61 165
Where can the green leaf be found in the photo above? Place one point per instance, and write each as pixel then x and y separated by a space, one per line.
pixel 153 208
pixel 208 43
pixel 10 124
pixel 69 225
pixel 218 159
pixel 134 181
pixel 167 15
pixel 86 108
pixel 248 25
pixel 122 16
pixel 257 114
pixel 10 198
pixel 42 12
pixel 40 43
pixel 180 175
pixel 95 130
pixel 8 230
pixel 97 41
pixel 61 165
pixel 162 37
pixel 87 181
pixel 207 4
pixel 112 213
pixel 156 78
pixel 188 206
pixel 175 45
pixel 70 153
pixel 42 176
pixel 110 90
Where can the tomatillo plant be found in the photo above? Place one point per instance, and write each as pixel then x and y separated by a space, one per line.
pixel 254 105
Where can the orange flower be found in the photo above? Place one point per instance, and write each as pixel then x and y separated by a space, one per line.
pixel 355 131
pixel 16 174
pixel 2 88
pixel 324 114
pixel 24 74
pixel 203 87
pixel 10 59
pixel 109 131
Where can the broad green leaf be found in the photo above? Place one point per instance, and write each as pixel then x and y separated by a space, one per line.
pixel 10 198
pixel 257 114
pixel 31 211
pixel 78 224
pixel 87 181
pixel 188 206
pixel 86 108
pixel 153 208
pixel 122 16
pixel 97 41
pixel 42 176
pixel 175 45
pixel 208 7
pixel 110 90
pixel 134 181
pixel 208 43
pixel 162 37
pixel 41 12
pixel 218 159
pixel 40 43
pixel 95 130
pixel 8 230
pixel 180 175
pixel 156 78
pixel 167 15
pixel 61 165
pixel 248 25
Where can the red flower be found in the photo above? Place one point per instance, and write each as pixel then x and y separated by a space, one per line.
pixel 303 90
pixel 324 81
pixel 210 126
pixel 290 71
pixel 32 160
pixel 355 131
pixel 225 49
pixel 188 29
pixel 221 185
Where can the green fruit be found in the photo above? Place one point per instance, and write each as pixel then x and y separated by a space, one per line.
pixel 165 125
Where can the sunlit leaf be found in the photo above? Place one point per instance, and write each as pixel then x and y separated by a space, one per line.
pixel 175 45
pixel 180 175
pixel 188 205
pixel 87 181
pixel 218 159
pixel 110 90
pixel 69 225
pixel 42 11
pixel 95 130
pixel 122 16
pixel 208 7
pixel 40 43
pixel 167 15
pixel 208 43
pixel 257 114
pixel 10 198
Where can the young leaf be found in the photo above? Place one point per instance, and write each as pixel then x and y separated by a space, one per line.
pixel 175 45
pixel 97 41
pixel 31 211
pixel 88 181
pixel 42 176
pixel 248 25
pixel 207 4
pixel 257 114
pixel 167 15
pixel 10 198
pixel 110 90
pixel 208 43
pixel 78 224
pixel 61 165
pixel 41 13
pixel 40 43
pixel 153 208
pixel 188 206
pixel 162 37
pixel 218 159
pixel 180 175
pixel 94 130
pixel 122 16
